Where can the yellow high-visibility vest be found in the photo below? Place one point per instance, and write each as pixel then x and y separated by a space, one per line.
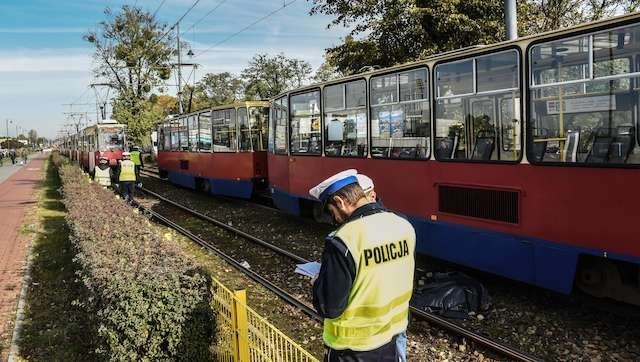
pixel 135 157
pixel 103 177
pixel 382 246
pixel 127 171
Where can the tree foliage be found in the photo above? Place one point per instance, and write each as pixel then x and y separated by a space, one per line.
pixel 388 32
pixel 216 89
pixel 140 115
pixel 132 53
pixel 327 71
pixel 267 76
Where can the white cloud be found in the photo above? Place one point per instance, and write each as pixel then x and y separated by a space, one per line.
pixel 45 60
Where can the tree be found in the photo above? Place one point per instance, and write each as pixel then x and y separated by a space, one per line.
pixel 145 113
pixel 391 27
pixel 33 137
pixel 216 89
pixel 132 53
pixel 327 71
pixel 267 76
pixel 11 143
pixel 556 14
pixel 389 32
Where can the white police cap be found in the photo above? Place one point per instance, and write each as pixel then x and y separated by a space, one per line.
pixel 126 153
pixel 365 182
pixel 328 187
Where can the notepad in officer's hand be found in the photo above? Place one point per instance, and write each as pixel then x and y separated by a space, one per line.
pixel 310 270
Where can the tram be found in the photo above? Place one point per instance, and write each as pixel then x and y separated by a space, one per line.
pixel 221 150
pixel 519 159
pixel 105 139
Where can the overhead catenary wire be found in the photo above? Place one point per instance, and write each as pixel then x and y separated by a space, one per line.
pixel 206 15
pixel 245 28
pixel 158 8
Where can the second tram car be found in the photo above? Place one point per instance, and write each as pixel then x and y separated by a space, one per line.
pixel 222 150
pixel 519 159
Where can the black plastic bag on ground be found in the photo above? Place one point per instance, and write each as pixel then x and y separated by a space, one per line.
pixel 451 295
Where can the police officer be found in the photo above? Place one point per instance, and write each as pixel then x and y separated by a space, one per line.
pixel 102 172
pixel 136 157
pixel 127 176
pixel 366 278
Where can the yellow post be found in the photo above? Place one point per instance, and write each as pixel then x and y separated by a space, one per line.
pixel 240 326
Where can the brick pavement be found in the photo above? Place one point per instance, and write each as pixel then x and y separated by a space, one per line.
pixel 18 195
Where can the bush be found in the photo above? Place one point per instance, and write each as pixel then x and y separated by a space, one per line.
pixel 151 302
pixel 56 159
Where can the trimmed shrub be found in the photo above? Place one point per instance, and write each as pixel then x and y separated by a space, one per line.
pixel 150 301
pixel 56 159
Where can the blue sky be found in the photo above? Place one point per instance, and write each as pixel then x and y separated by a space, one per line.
pixel 44 63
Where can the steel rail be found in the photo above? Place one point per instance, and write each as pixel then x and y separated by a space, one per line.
pixel 290 299
pixel 488 343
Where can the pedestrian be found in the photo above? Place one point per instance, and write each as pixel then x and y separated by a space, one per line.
pixel 126 177
pixel 366 278
pixel 102 172
pixel 136 157
pixel 12 155
pixel 24 154
pixel 366 183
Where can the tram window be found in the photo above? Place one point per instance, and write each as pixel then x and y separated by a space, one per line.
pixel 413 85
pixel 334 97
pixel 401 129
pixel 245 129
pixel 193 133
pixel 496 72
pixel 592 120
pixel 560 61
pixel 184 134
pixel 258 121
pixel 225 138
pixel 305 136
pixel 175 135
pixel 455 78
pixel 204 131
pixel 479 120
pixel 384 89
pixel 279 128
pixel 345 119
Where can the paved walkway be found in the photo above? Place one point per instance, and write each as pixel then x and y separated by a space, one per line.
pixel 18 194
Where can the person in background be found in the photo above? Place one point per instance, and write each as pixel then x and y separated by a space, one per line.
pixel 13 155
pixel 366 277
pixel 24 154
pixel 136 157
pixel 366 183
pixel 102 172
pixel 126 174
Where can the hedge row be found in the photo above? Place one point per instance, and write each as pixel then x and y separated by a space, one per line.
pixel 149 300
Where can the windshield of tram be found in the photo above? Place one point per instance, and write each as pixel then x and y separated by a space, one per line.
pixel 111 139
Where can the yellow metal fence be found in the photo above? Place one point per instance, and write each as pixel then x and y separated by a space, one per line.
pixel 243 335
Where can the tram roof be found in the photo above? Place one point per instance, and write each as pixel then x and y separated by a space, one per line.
pixel 238 104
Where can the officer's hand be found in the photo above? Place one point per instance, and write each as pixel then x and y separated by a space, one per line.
pixel 313 280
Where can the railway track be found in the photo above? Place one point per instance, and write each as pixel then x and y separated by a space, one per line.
pixel 488 343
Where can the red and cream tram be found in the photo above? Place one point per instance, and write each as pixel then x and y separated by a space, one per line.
pixel 222 150
pixel 519 158
pixel 105 139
